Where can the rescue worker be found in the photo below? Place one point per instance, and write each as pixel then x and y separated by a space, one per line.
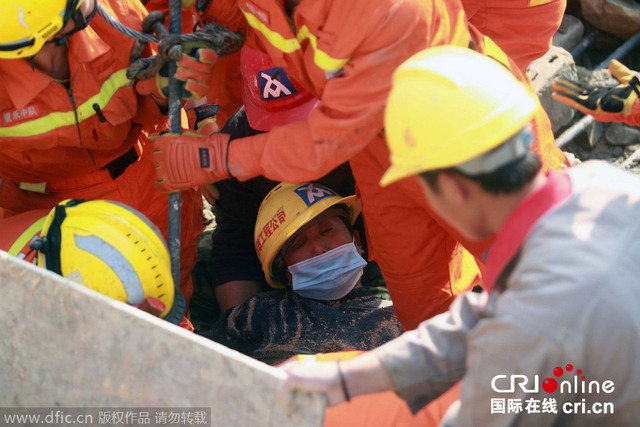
pixel 617 104
pixel 107 246
pixel 558 274
pixel 345 58
pixel 312 256
pixel 72 125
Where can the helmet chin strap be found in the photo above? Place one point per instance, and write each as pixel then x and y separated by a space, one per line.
pixel 81 22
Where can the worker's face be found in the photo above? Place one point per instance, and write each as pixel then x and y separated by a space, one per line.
pixel 318 238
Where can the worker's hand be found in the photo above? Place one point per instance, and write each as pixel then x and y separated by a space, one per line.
pixel 618 104
pixel 193 70
pixel 202 118
pixel 189 160
pixel 320 377
pixel 210 193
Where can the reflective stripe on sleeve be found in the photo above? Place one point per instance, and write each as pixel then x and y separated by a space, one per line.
pixel 322 59
pixel 493 50
pixel 60 119
pixel 538 2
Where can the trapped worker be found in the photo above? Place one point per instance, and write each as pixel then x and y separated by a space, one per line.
pixel 617 104
pixel 548 342
pixel 106 246
pixel 72 124
pixel 345 57
pixel 312 256
pixel 235 271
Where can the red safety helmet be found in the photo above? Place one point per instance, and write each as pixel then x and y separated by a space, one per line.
pixel 19 230
pixel 271 98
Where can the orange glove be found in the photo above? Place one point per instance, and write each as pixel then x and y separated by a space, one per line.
pixel 194 70
pixel 618 104
pixel 203 118
pixel 190 159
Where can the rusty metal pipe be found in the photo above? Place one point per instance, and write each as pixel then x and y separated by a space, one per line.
pixel 584 44
pixel 175 105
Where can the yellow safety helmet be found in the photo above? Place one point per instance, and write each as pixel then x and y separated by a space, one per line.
pixel 112 249
pixel 448 105
pixel 286 209
pixel 26 25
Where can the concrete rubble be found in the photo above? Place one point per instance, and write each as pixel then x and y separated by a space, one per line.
pixel 618 17
pixel 63 345
pixel 557 62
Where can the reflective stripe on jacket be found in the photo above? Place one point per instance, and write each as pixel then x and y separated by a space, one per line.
pixel 51 130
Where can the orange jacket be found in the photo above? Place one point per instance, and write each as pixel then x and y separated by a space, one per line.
pixel 50 132
pixel 522 28
pixel 54 146
pixel 354 46
pixel 345 55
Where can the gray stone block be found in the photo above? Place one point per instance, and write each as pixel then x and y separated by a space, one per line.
pixel 590 136
pixel 64 345
pixel 618 17
pixel 621 134
pixel 569 34
pixel 555 63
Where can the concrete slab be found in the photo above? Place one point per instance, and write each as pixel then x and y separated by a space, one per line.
pixel 557 62
pixel 569 34
pixel 63 345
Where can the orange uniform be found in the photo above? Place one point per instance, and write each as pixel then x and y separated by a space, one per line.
pixel 522 28
pixel 81 138
pixel 344 53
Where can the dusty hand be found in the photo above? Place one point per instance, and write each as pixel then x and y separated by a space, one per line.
pixel 210 193
pixel 189 159
pixel 617 104
pixel 320 377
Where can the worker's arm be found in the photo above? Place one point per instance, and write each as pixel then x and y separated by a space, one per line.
pixel 351 114
pixel 361 375
pixel 419 365
pixel 353 101
pixel 235 292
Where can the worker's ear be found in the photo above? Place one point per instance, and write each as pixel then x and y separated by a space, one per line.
pixel 453 188
pixel 358 242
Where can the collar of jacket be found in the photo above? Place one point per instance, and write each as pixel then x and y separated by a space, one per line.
pixel 84 47
pixel 516 228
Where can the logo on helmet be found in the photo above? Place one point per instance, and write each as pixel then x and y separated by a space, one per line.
pixel 311 193
pixel 274 84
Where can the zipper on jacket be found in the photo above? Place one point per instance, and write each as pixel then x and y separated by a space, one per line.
pixel 75 111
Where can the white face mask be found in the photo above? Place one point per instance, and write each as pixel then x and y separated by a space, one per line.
pixel 329 276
